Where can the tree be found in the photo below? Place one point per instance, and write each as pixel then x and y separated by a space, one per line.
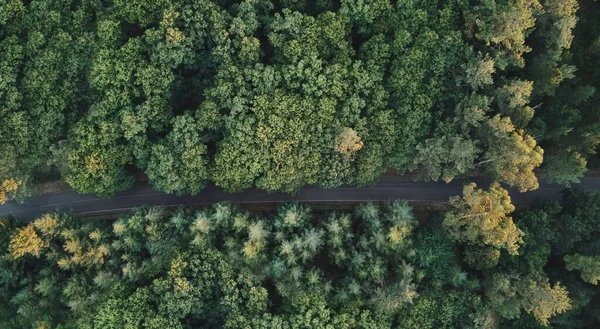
pixel 440 309
pixel 513 99
pixel 512 155
pixel 180 164
pixel 96 163
pixel 275 146
pixel 7 189
pixel 416 82
pixel 348 142
pixel 510 295
pixel 379 144
pixel 446 157
pixel 503 25
pixel 588 265
pixel 26 241
pixel 15 128
pixel 480 218
pixel 436 252
pixel 479 72
pixel 551 41
pixel 576 223
pixel 221 267
pixel 366 14
pixel 564 168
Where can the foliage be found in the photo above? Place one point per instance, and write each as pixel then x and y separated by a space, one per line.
pixel 374 267
pixel 280 94
pixel 26 241
pixel 7 189
pixel 588 265
pixel 515 156
pixel 216 267
pixel 481 219
pixel 180 164
pixel 504 24
pixel 509 295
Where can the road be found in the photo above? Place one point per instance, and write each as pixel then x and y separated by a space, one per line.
pixel 388 188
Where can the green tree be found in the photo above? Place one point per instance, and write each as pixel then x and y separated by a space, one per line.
pixel 513 99
pixel 417 83
pixel 446 157
pixel 180 164
pixel 276 146
pixel 96 163
pixel 588 265
pixel 565 167
pixel 510 295
pixel 503 26
pixel 479 72
pixel 551 41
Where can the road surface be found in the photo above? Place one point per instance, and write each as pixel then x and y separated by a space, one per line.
pixel 388 188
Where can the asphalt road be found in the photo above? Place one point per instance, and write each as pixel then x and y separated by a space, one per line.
pixel 388 188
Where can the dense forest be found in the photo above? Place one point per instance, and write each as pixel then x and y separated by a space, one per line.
pixel 374 267
pixel 277 94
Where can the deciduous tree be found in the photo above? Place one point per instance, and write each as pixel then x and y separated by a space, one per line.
pixel 481 218
pixel 589 266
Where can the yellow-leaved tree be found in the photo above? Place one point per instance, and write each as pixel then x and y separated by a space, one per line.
pixel 26 241
pixel 480 219
pixel 8 187
pixel 348 142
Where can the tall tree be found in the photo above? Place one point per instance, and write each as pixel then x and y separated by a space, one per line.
pixel 512 155
pixel 480 218
pixel 180 164
pixel 588 265
pixel 510 295
pixel 503 26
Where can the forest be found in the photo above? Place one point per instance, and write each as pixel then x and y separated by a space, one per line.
pixel 374 267
pixel 277 94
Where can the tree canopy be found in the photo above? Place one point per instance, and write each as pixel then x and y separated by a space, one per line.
pixel 279 94
pixel 375 266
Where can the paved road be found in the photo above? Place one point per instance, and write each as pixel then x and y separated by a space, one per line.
pixel 389 187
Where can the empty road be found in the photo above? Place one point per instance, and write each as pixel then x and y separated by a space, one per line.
pixel 388 188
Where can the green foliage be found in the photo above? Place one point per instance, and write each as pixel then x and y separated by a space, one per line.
pixel 217 267
pixel 97 163
pixel 437 254
pixel 588 265
pixel 529 282
pixel 509 295
pixel 285 134
pixel 577 222
pixel 515 156
pixel 504 24
pixel 446 157
pixel 375 267
pixel 280 94
pixel 565 168
pixel 565 84
pixel 181 163
pixel 440 309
